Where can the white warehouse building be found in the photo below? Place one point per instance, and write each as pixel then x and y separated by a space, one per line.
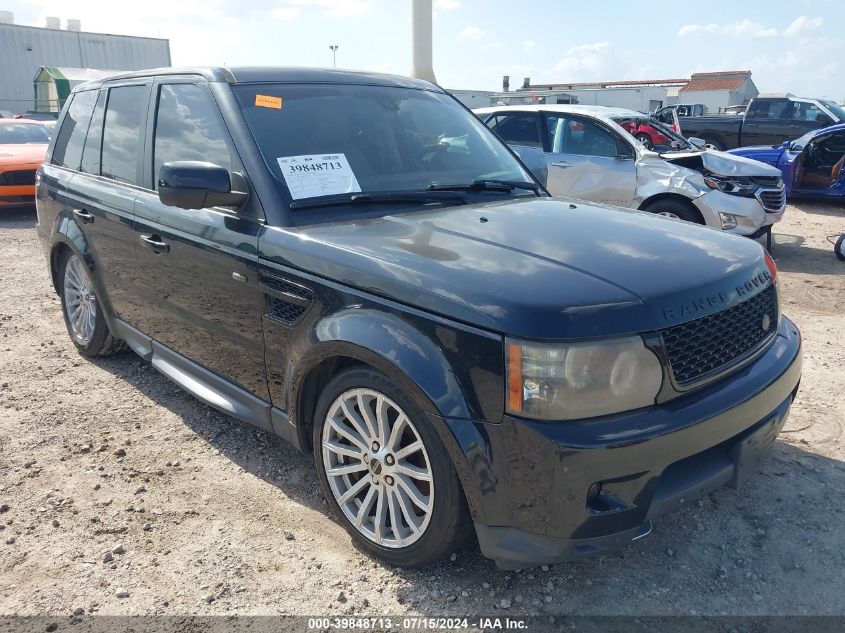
pixel 715 90
pixel 24 50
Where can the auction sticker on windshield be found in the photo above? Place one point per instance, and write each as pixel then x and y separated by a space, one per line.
pixel 314 175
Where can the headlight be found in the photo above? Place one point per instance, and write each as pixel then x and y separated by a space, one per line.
pixel 580 380
pixel 733 186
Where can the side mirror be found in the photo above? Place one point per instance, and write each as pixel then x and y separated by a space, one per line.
pixel 786 144
pixel 700 143
pixel 192 184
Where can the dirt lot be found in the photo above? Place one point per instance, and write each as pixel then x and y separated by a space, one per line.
pixel 121 494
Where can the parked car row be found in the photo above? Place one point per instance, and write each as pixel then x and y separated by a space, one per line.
pixel 356 263
pixel 588 152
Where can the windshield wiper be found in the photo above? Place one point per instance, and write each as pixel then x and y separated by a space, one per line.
pixel 381 197
pixel 484 184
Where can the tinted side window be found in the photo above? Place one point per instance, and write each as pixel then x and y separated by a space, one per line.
pixel 188 127
pixel 773 109
pixel 122 138
pixel 71 137
pixel 519 128
pixel 91 153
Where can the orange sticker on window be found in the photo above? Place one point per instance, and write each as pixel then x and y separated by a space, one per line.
pixel 265 101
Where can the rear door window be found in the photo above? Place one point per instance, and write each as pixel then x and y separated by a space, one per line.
pixel 123 133
pixel 518 128
pixel 71 136
pixel 94 139
pixel 188 127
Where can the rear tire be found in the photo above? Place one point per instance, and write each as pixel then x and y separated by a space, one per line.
pixel 674 208
pixel 368 436
pixel 645 139
pixel 82 310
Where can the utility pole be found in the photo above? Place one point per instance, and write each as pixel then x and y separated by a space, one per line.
pixel 334 48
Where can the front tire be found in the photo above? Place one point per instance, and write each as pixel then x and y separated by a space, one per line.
pixel 385 472
pixel 839 248
pixel 82 310
pixel 673 208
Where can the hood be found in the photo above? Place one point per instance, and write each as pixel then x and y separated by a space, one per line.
pixel 763 153
pixel 537 268
pixel 721 163
pixel 23 154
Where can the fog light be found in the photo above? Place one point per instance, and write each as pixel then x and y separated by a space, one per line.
pixel 728 220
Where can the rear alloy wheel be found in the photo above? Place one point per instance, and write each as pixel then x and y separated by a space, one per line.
pixel 386 473
pixel 80 302
pixel 82 311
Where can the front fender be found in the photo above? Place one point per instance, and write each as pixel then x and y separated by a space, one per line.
pixel 657 176
pixel 422 361
pixel 388 343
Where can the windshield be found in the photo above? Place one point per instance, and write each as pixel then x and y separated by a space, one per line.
pixel 661 137
pixel 329 140
pixel 837 110
pixel 20 133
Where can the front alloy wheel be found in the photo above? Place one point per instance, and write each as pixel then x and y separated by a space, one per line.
pixel 377 468
pixel 385 471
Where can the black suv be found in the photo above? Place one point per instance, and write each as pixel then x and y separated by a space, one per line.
pixel 356 263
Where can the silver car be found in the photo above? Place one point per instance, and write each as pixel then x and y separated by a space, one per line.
pixel 589 152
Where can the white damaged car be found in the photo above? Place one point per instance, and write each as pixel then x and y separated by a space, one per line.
pixel 592 153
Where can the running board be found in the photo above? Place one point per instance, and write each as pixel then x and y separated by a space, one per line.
pixel 209 387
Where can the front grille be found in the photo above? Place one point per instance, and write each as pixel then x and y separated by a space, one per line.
pixel 711 344
pixel 19 177
pixel 773 200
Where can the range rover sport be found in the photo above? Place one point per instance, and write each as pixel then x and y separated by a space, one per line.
pixel 354 262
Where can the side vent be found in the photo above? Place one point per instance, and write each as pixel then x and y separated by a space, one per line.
pixel 286 301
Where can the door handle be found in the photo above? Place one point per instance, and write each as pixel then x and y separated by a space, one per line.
pixel 154 243
pixel 83 216
pixel 562 164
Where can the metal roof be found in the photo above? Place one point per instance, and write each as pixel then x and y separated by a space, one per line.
pixel 257 74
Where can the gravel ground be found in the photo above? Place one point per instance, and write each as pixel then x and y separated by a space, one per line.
pixel 121 494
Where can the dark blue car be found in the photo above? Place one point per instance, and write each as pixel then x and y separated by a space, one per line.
pixel 811 165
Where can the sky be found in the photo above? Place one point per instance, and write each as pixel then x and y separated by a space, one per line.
pixel 790 46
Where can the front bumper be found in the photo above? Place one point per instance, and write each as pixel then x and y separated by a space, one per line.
pixel 546 492
pixel 749 213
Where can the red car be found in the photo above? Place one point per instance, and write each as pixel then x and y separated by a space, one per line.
pixel 644 132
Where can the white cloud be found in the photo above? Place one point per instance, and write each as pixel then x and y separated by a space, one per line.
pixel 490 46
pixel 471 33
pixel 285 13
pixel 583 61
pixel 803 24
pixel 446 5
pixel 742 28
pixel 333 8
pixel 527 45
